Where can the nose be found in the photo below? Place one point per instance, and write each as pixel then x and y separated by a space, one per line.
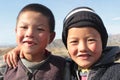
pixel 29 33
pixel 82 47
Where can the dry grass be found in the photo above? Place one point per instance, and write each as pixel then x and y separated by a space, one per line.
pixel 59 51
pixel 56 51
pixel 5 50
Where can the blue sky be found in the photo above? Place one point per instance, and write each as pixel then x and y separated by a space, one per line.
pixel 108 10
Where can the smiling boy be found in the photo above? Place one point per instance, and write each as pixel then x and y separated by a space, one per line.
pixel 85 38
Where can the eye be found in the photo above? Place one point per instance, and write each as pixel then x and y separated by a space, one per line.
pixel 91 40
pixel 23 27
pixel 73 42
pixel 40 29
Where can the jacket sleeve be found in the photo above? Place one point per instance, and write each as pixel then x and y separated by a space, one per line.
pixel 2 68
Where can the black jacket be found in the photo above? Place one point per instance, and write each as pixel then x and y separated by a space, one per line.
pixel 107 68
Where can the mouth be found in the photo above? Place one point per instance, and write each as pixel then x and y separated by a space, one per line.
pixel 84 55
pixel 29 43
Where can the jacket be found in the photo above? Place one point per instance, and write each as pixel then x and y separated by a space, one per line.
pixel 106 68
pixel 52 69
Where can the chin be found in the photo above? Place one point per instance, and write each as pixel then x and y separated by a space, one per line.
pixel 28 50
pixel 84 65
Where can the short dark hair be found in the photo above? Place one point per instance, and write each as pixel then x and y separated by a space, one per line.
pixel 41 9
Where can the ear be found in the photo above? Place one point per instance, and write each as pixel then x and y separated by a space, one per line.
pixel 52 36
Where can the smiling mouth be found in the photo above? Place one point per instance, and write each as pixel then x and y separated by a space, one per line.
pixel 30 43
pixel 83 56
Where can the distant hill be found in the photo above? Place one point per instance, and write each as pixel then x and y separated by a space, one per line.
pixel 58 48
pixel 114 40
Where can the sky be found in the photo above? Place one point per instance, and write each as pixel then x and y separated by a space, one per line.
pixel 108 10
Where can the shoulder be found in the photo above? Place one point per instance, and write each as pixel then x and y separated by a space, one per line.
pixel 56 60
pixel 112 72
pixel 111 54
pixel 52 57
pixel 113 49
pixel 112 69
pixel 115 67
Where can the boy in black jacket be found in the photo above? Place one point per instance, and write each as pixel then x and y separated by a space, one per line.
pixel 85 38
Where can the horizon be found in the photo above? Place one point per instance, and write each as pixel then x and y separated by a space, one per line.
pixel 14 44
pixel 107 10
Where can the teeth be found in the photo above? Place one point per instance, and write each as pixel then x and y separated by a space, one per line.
pixel 78 54
pixel 25 39
pixel 28 40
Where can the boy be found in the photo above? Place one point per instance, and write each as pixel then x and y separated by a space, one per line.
pixel 85 38
pixel 34 31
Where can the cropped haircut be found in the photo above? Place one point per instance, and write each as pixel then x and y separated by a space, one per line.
pixel 41 9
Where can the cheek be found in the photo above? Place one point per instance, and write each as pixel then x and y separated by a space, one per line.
pixel 43 37
pixel 93 47
pixel 72 50
pixel 19 37
pixel 96 49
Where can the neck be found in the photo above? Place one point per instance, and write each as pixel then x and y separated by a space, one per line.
pixel 35 57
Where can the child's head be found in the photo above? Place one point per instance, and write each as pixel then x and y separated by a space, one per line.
pixel 40 9
pixel 84 35
pixel 35 29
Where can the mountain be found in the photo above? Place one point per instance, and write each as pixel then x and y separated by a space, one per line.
pixel 114 40
pixel 57 47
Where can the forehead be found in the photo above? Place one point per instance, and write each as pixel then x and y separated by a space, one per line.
pixel 31 13
pixel 82 31
pixel 33 17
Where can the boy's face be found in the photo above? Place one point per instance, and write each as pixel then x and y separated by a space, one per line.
pixel 33 33
pixel 84 46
